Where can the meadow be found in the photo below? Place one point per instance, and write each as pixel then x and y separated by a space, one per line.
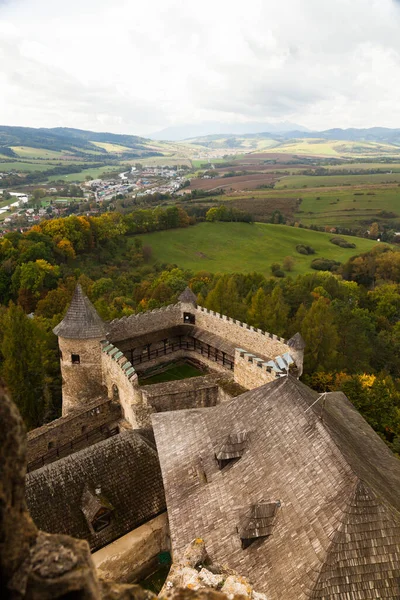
pixel 301 181
pixel 320 147
pixel 95 173
pixel 244 248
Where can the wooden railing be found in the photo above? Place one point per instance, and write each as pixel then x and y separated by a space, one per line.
pixel 83 441
pixel 193 345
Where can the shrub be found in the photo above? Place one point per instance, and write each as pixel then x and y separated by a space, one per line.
pixel 339 241
pixel 303 249
pixel 324 264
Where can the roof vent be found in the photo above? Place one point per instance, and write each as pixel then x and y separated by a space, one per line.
pixel 258 522
pixel 232 449
pixel 96 509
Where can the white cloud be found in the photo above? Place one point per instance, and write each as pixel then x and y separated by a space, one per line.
pixel 135 67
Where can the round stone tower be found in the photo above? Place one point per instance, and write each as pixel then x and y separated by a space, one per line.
pixel 79 337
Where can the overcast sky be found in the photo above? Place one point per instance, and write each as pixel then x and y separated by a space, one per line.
pixel 134 67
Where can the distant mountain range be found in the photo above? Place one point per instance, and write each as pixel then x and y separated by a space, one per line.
pixel 184 132
pixel 279 131
pixel 72 141
pixel 93 145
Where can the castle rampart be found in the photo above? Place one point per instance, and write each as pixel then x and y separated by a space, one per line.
pixel 144 323
pixel 240 334
pixel 196 392
pixel 251 371
pixel 121 381
pixel 49 438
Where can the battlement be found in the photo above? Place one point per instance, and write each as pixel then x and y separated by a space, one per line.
pixel 145 322
pixel 272 336
pixel 45 441
pixel 251 371
pixel 118 357
pixel 121 381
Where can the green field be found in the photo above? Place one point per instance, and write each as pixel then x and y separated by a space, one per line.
pixel 348 208
pixel 26 152
pixel 6 167
pixel 335 148
pixel 243 248
pixel 177 370
pixel 95 173
pixel 301 181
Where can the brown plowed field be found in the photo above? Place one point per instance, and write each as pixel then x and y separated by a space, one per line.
pixel 242 182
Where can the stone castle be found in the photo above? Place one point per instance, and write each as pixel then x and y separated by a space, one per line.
pixel 291 488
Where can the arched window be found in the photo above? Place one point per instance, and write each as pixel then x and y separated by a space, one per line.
pixel 115 392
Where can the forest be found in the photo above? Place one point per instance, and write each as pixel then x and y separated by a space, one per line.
pixel 349 319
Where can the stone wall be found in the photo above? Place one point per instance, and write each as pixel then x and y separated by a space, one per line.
pixel 191 356
pixel 61 431
pixel 133 556
pixel 195 392
pixel 81 382
pixel 121 381
pixel 143 323
pixel 251 371
pixel 240 334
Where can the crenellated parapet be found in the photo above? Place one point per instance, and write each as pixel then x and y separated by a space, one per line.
pixel 145 322
pixel 121 381
pixel 251 370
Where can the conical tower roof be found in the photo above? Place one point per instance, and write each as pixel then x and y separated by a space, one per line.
pixel 188 296
pixel 81 321
pixel 297 342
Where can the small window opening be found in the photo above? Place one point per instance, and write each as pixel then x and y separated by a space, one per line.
pixel 258 522
pixel 75 359
pixel 83 428
pixel 232 449
pixel 115 392
pixel 101 520
pixel 189 318
pixel 50 445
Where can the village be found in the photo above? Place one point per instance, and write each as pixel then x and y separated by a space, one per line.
pixel 27 206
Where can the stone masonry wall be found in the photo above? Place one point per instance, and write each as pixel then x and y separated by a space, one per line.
pixel 63 430
pixel 121 381
pixel 142 323
pixel 81 383
pixel 133 556
pixel 251 371
pixel 240 334
pixel 196 392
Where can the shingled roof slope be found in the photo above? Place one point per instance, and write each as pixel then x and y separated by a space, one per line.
pixel 124 469
pixel 337 529
pixel 81 320
pixel 188 296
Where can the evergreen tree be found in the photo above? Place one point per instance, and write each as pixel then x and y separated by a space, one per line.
pixel 276 312
pixel 320 335
pixel 23 367
pixel 257 309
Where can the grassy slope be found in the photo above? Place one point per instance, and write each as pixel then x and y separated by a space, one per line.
pixel 95 173
pixel 300 181
pixel 336 148
pixel 229 247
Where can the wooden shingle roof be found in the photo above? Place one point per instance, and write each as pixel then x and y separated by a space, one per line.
pixel 81 320
pixel 336 534
pixel 124 470
pixel 188 297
